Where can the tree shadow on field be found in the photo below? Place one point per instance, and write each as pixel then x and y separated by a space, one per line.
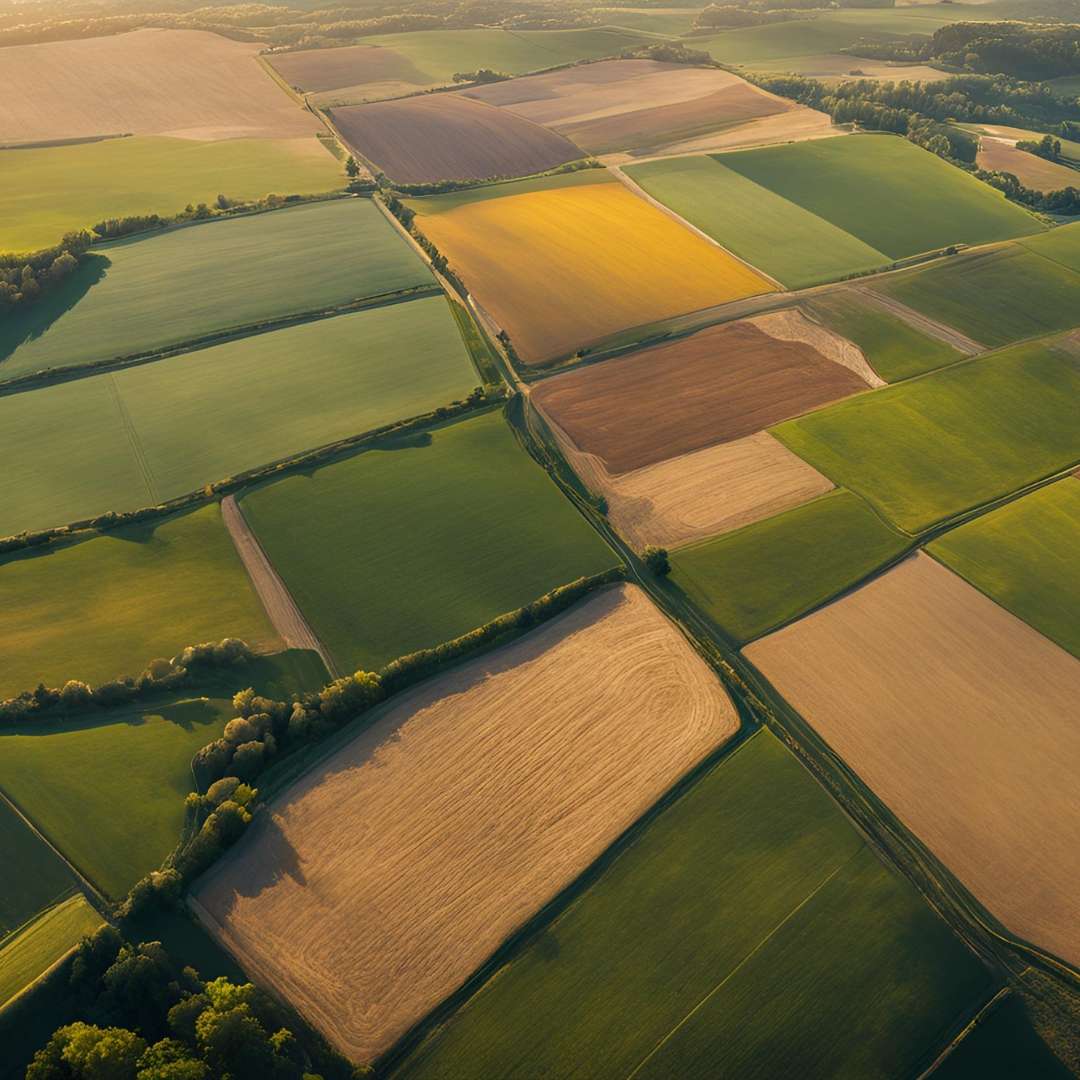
pixel 268 857
pixel 23 326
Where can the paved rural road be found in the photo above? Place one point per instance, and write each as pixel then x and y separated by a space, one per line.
pixel 286 617
pixel 966 345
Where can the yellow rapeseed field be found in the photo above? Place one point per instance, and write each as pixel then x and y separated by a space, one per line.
pixel 564 263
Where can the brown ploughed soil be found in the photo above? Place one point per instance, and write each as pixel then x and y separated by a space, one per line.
pixel 313 70
pixel 1031 170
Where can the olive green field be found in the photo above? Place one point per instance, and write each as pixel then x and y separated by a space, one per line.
pixel 421 540
pixel 747 931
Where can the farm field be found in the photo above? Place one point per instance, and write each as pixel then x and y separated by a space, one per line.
pixel 917 680
pixel 420 140
pixel 1024 556
pixel 79 612
pixel 672 21
pixel 997 155
pixel 924 450
pixel 894 349
pixel 432 536
pixel 632 104
pixel 792 245
pixel 1062 245
pixel 143 434
pixel 137 295
pixel 1070 149
pixel 720 384
pixel 766 574
pixel 187 83
pixel 746 927
pixel 52 190
pixel 37 947
pixel 997 296
pixel 599 260
pixel 365 930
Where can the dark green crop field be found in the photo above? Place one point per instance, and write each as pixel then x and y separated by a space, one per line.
pixel 138 295
pixel 747 932
pixel 929 448
pixel 752 580
pixel 421 542
pixel 1026 556
pixel 42 877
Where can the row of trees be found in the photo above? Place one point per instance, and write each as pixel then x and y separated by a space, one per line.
pixel 24 279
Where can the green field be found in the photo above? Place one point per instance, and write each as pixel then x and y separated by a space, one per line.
pixel 49 191
pixel 1061 244
pixel 747 932
pixel 138 436
pixel 138 295
pixel 929 448
pixel 668 21
pixel 768 573
pixel 422 540
pixel 36 948
pixel 42 879
pixel 886 191
pixel 81 612
pixel 791 244
pixel 1026 556
pixel 996 297
pixel 894 349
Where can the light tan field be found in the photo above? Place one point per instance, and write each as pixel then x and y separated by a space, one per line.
pixel 1031 170
pixel 384 878
pixel 963 719
pixel 186 83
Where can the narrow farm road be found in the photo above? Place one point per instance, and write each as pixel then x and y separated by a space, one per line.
pixel 930 327
pixel 285 616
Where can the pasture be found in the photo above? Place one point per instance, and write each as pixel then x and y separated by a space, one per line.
pixel 720 384
pixel 796 247
pixel 420 140
pixel 599 260
pixel 431 536
pixel 745 929
pixel 188 83
pixel 998 296
pixel 923 686
pixel 134 296
pixel 768 573
pixel 52 190
pixel 38 946
pixel 930 448
pixel 80 611
pixel 1023 555
pixel 893 348
pixel 483 815
pixel 137 436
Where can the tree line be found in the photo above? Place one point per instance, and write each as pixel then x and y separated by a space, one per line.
pixel 24 279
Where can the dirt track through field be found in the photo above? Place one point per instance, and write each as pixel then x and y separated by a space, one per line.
pixel 962 719
pixel 375 886
pixel 286 618
pixel 968 346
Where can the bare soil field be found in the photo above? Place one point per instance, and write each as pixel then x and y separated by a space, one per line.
pixel 381 880
pixel 187 83
pixel 1031 170
pixel 315 70
pixel 962 718
pixel 419 140
pixel 718 385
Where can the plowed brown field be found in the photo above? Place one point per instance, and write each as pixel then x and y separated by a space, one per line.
pixel 314 70
pixel 962 718
pixel 419 140
pixel 380 881
pixel 186 83
pixel 1031 170
pixel 720 384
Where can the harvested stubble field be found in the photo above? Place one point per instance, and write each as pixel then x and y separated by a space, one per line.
pixel 997 155
pixel 926 449
pixel 42 879
pixel 423 139
pixel 566 261
pixel 376 885
pixel 997 296
pixel 80 612
pixel 37 947
pixel 137 295
pixel 747 929
pixel 923 685
pixel 718 385
pixel 1024 556
pixel 422 540
pixel 771 572
pixel 53 190
pixel 143 434
pixel 188 83
pixel 632 104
